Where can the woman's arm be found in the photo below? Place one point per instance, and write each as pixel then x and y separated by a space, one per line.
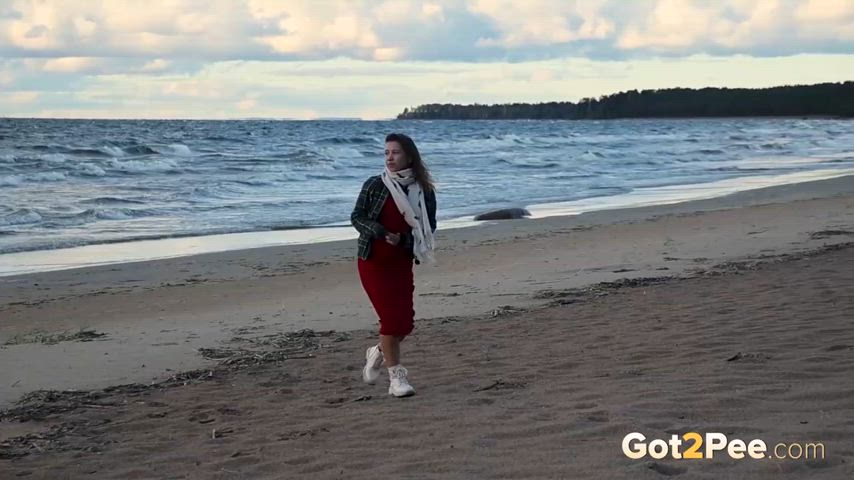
pixel 430 200
pixel 359 217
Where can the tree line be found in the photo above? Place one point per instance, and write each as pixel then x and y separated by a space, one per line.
pixel 824 99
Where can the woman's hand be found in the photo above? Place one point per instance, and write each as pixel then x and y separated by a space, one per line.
pixel 392 238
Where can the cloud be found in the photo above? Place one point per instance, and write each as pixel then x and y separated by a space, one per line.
pixel 20 97
pixel 69 64
pixel 156 65
pixel 768 27
pixel 823 18
pixel 304 58
pixel 248 103
pixel 542 22
pixel 469 30
pixel 310 89
pixel 825 11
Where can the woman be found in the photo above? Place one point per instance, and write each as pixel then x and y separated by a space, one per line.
pixel 395 215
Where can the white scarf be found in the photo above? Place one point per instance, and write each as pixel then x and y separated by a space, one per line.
pixel 408 203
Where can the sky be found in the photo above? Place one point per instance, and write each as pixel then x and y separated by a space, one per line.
pixel 306 59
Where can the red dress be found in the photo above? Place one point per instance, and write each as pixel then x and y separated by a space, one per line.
pixel 387 276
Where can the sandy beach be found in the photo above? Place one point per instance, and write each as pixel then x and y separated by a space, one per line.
pixel 538 345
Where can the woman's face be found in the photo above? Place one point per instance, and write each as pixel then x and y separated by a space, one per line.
pixel 395 159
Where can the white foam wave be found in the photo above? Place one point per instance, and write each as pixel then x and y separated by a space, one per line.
pixel 144 166
pixel 21 217
pixel 112 213
pixel 11 180
pixel 339 151
pixel 53 157
pixel 176 149
pixel 91 170
pixel 47 177
pixel 113 151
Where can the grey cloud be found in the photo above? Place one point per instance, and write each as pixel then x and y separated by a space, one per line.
pixel 7 12
pixel 37 31
pixel 234 34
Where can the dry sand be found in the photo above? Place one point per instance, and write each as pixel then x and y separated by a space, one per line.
pixel 547 388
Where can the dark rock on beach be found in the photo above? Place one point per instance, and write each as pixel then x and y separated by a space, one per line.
pixel 504 214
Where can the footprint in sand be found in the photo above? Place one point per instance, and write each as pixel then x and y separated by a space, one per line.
pixel 665 469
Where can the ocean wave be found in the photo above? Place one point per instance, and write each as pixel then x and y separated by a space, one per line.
pixel 322 176
pixel 90 170
pixel 47 177
pixel 592 155
pixel 11 180
pixel 139 150
pixel 299 156
pixel 112 151
pixel 223 138
pixel 110 214
pixel 165 165
pixel 642 161
pixel 94 152
pixel 111 201
pixel 174 149
pixel 563 176
pixel 58 153
pixel 737 168
pixel 774 145
pixel 220 190
pixel 116 151
pixel 334 153
pixel 54 158
pixel 775 162
pixel 91 215
pixel 23 216
pixel 238 168
pixel 256 182
pixel 518 164
pixel 485 142
pixel 18 179
pixel 348 140
pixel 294 177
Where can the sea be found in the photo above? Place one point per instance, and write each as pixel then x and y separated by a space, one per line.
pixel 98 191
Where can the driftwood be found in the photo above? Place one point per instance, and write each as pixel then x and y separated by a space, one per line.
pixel 38 336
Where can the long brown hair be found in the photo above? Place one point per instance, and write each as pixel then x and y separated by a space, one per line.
pixel 422 174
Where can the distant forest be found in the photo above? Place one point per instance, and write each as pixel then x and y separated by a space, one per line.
pixel 824 99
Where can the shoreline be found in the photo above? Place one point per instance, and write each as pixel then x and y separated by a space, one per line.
pixel 141 250
pixel 156 315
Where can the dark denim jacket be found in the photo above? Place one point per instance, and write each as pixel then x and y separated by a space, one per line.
pixel 367 211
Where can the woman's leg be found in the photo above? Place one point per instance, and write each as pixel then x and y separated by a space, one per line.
pixel 390 346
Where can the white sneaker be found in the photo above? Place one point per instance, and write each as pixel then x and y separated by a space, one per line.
pixel 373 361
pixel 398 384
